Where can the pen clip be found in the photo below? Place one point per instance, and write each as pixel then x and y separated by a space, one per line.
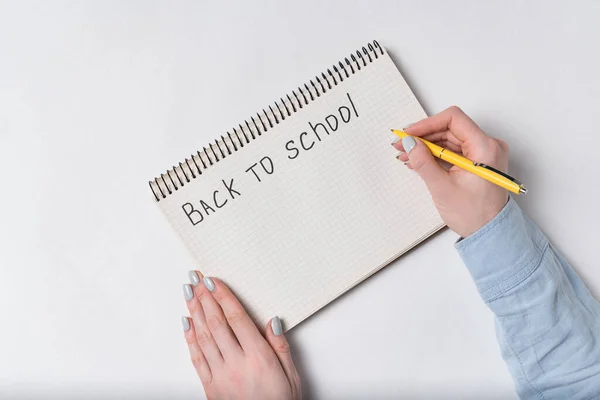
pixel 498 172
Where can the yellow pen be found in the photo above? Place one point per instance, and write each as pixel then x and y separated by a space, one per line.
pixel 481 170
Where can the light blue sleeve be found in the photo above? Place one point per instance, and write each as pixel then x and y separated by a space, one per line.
pixel 547 322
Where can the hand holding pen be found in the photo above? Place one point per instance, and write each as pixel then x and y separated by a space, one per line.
pixel 465 201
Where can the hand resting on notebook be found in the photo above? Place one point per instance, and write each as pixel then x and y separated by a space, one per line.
pixel 231 357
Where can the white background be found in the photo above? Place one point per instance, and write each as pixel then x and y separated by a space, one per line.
pixel 98 97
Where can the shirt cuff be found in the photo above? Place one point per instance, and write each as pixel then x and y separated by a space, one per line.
pixel 504 252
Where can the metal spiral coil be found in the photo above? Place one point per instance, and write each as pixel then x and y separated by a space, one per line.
pixel 184 172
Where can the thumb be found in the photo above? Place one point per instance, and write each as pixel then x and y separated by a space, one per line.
pixel 423 162
pixel 281 347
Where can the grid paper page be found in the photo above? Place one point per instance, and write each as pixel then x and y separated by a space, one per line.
pixel 321 221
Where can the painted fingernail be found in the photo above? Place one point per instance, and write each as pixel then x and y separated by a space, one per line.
pixel 194 278
pixel 276 326
pixel 186 324
pixel 188 292
pixel 408 143
pixel 395 141
pixel 210 285
pixel 399 154
pixel 409 125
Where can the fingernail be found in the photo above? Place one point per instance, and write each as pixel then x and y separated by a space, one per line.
pixel 408 126
pixel 186 324
pixel 276 326
pixel 194 278
pixel 210 285
pixel 395 141
pixel 188 292
pixel 408 143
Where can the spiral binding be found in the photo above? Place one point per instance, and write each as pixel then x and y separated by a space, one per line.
pixel 191 168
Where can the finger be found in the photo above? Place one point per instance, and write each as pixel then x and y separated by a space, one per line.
pixel 453 119
pixel 204 336
pixel 446 165
pixel 402 157
pixel 423 162
pixel 397 144
pixel 439 138
pixel 436 136
pixel 215 319
pixel 449 145
pixel 198 359
pixel 238 319
pixel 445 144
pixel 281 347
pixel 442 136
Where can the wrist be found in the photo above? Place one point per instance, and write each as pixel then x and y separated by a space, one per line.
pixel 476 216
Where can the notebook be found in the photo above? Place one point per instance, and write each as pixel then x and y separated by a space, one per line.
pixel 305 199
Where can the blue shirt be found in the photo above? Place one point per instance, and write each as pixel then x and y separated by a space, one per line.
pixel 547 322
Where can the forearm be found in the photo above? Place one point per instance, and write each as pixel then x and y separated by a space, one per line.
pixel 547 322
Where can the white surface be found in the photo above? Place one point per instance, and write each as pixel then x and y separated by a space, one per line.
pixel 95 98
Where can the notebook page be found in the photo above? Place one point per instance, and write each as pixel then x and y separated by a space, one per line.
pixel 306 211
